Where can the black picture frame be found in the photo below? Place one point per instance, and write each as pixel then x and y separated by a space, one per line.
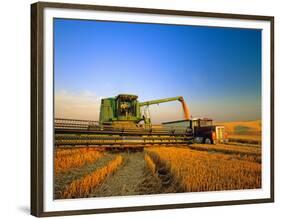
pixel 37 106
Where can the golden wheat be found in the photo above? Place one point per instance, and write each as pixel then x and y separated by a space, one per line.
pixel 83 187
pixel 202 171
pixel 150 163
pixel 66 159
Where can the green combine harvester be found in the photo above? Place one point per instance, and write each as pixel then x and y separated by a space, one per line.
pixel 125 110
pixel 123 122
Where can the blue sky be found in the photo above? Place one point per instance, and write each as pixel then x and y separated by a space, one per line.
pixel 216 70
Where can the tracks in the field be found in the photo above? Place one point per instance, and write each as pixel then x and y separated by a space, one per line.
pixel 134 178
pixel 125 181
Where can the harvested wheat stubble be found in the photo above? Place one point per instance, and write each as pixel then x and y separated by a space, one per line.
pixel 66 159
pixel 81 188
pixel 249 153
pixel 202 171
pixel 126 180
pixel 244 139
pixel 162 170
pixel 134 178
pixel 63 179
pixel 228 148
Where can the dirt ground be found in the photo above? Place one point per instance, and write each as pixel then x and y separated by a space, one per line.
pixel 133 178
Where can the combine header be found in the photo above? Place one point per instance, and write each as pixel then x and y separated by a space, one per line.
pixel 123 122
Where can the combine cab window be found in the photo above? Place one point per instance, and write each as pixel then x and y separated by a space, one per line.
pixel 206 123
pixel 126 109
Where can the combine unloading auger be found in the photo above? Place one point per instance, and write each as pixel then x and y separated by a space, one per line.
pixel 180 98
pixel 122 124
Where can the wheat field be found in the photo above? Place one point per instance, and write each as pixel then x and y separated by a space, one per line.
pixel 84 186
pixel 66 159
pixel 89 172
pixel 201 171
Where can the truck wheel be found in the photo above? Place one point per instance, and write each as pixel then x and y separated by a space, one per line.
pixel 208 141
pixel 199 140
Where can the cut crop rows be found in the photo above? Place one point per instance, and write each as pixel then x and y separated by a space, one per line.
pixel 202 171
pixel 81 188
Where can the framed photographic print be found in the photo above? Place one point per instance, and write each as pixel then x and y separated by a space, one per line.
pixel 141 109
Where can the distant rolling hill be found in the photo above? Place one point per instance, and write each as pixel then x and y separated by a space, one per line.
pixel 243 130
pixel 242 126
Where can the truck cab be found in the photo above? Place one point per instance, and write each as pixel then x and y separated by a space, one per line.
pixel 206 132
